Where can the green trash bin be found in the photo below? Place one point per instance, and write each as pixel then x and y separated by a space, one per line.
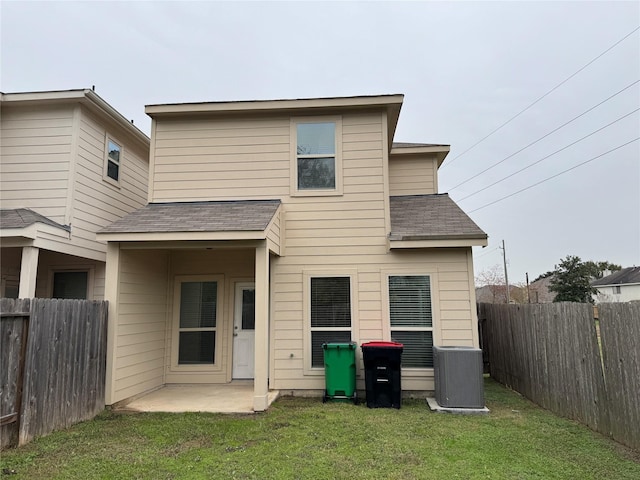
pixel 340 371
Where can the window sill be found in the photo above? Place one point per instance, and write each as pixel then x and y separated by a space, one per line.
pixel 316 193
pixel 110 181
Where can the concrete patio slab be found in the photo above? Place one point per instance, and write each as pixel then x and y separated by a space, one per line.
pixel 232 398
pixel 435 407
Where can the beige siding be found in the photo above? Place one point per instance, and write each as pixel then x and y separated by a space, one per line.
pixel 454 317
pixel 274 234
pixel 213 159
pixel 221 159
pixel 96 202
pixel 412 176
pixel 50 262
pixel 142 314
pixel 233 266
pixel 35 152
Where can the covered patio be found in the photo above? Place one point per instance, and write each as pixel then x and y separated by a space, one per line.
pixel 188 291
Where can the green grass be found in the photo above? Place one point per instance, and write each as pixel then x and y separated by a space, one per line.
pixel 303 438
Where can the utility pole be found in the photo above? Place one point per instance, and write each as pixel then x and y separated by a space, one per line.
pixel 506 276
pixel 528 292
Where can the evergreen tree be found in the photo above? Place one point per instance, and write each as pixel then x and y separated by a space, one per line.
pixel 572 279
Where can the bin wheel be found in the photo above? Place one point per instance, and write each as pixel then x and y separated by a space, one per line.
pixel 355 398
pixel 324 397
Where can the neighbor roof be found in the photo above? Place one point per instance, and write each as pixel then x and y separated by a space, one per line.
pixel 24 217
pixel 430 217
pixel 621 277
pixel 86 96
pixel 222 216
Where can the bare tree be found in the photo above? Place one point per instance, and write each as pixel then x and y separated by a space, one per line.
pixel 491 280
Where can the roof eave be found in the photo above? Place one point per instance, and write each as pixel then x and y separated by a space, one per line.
pixel 439 242
pixel 441 151
pixel 253 106
pixel 181 236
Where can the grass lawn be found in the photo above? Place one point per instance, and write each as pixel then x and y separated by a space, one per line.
pixel 303 438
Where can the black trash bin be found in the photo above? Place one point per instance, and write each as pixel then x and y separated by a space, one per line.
pixel 382 361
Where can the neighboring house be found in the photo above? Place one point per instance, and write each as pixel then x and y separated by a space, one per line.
pixel 620 286
pixel 539 291
pixel 70 164
pixel 498 294
pixel 275 226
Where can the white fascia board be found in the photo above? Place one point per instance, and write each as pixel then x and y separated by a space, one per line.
pixel 451 243
pixel 30 232
pixel 274 105
pixel 180 236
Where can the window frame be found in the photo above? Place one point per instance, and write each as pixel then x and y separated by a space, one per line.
pixel 435 313
pixel 88 269
pixel 307 350
pixel 216 366
pixel 293 135
pixel 111 139
pixel 617 290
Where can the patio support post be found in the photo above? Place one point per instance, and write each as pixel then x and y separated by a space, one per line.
pixel 111 290
pixel 261 373
pixel 28 272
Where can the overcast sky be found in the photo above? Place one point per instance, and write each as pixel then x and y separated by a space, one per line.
pixel 464 68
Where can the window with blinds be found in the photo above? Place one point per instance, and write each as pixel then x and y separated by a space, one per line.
pixel 411 318
pixel 330 314
pixel 197 328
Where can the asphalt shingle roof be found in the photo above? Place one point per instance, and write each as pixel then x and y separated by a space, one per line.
pixel 430 217
pixel 621 277
pixel 241 215
pixel 23 217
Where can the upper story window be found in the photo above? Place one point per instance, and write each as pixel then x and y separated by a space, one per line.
pixel 316 163
pixel 112 161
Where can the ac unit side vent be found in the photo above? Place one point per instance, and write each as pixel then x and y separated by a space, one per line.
pixel 458 377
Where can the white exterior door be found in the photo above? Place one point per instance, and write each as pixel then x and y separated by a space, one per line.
pixel 244 320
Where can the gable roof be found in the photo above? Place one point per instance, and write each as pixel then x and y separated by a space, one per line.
pixel 184 217
pixel 621 277
pixel 24 217
pixel 430 217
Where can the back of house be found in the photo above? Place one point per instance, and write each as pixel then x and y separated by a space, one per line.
pixel 273 227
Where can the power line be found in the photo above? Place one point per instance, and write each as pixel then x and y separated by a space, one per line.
pixel 543 96
pixel 556 175
pixel 475 257
pixel 548 156
pixel 544 136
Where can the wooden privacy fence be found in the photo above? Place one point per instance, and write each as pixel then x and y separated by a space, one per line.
pixel 551 354
pixel 52 373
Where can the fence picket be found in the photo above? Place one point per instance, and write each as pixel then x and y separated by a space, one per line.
pixel 550 354
pixel 64 365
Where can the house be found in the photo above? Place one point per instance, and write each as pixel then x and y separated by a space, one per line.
pixel 620 286
pixel 70 165
pixel 498 294
pixel 275 226
pixel 539 291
